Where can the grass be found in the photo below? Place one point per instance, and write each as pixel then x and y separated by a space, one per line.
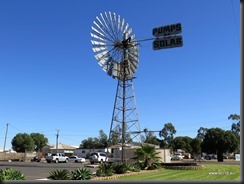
pixel 209 172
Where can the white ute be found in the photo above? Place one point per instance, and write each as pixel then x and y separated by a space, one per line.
pixel 57 157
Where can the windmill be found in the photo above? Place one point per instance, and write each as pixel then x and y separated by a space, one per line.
pixel 116 51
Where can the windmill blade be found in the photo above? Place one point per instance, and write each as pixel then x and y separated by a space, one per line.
pixel 115 70
pixel 132 68
pixel 128 32
pixel 99 25
pixel 109 26
pixel 105 66
pixel 97 49
pixel 101 57
pixel 105 28
pixel 133 37
pixel 98 43
pixel 126 27
pixel 133 61
pixel 122 25
pixel 113 22
pixel 105 23
pixel 98 37
pixel 98 34
pixel 110 68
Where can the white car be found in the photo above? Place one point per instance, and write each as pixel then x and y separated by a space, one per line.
pixel 76 159
pixel 57 157
pixel 177 156
pixel 99 157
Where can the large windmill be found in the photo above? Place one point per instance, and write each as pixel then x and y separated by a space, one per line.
pixel 117 53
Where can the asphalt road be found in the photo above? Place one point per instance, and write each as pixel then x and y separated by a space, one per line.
pixel 41 170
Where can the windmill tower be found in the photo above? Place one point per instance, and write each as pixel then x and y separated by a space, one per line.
pixel 117 53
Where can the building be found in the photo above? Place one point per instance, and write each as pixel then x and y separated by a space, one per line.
pixel 62 148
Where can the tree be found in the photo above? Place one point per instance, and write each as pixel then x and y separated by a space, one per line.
pixel 235 127
pixel 114 139
pixel 150 137
pixel 103 138
pixel 182 142
pixel 168 133
pixel 146 155
pixel 22 142
pixel 218 141
pixel 201 132
pixel 88 143
pixel 95 142
pixel 196 146
pixel 39 140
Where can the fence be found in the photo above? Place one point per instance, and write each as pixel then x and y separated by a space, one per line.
pixel 24 157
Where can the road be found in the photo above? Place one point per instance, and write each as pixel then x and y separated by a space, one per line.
pixel 41 170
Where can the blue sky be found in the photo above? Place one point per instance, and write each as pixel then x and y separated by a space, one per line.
pixel 50 80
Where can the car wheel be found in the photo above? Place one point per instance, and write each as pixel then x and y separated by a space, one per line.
pixel 67 160
pixel 56 161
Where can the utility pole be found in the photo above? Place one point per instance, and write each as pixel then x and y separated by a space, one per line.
pixel 5 138
pixel 57 141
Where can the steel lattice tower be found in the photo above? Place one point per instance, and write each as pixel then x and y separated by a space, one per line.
pixel 125 123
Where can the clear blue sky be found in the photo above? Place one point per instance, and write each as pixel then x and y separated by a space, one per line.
pixel 50 80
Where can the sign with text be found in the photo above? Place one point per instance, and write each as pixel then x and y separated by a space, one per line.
pixel 167 42
pixel 172 29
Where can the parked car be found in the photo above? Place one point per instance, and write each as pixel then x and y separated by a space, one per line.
pixel 225 157
pixel 209 157
pixel 99 157
pixel 76 159
pixel 57 157
pixel 198 158
pixel 231 157
pixel 36 159
pixel 177 156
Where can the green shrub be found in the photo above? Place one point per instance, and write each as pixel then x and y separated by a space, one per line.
pixel 133 168
pixel 105 169
pixel 120 168
pixel 154 165
pixel 62 174
pixel 11 174
pixel 140 164
pixel 81 174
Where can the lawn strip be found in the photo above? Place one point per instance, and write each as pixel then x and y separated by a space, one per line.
pixel 210 172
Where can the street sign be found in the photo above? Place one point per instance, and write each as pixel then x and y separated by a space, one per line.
pixel 167 42
pixel 172 29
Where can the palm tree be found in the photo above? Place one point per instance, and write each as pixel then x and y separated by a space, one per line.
pixel 147 156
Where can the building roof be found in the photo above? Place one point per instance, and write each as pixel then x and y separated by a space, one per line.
pixel 62 146
pixel 133 145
